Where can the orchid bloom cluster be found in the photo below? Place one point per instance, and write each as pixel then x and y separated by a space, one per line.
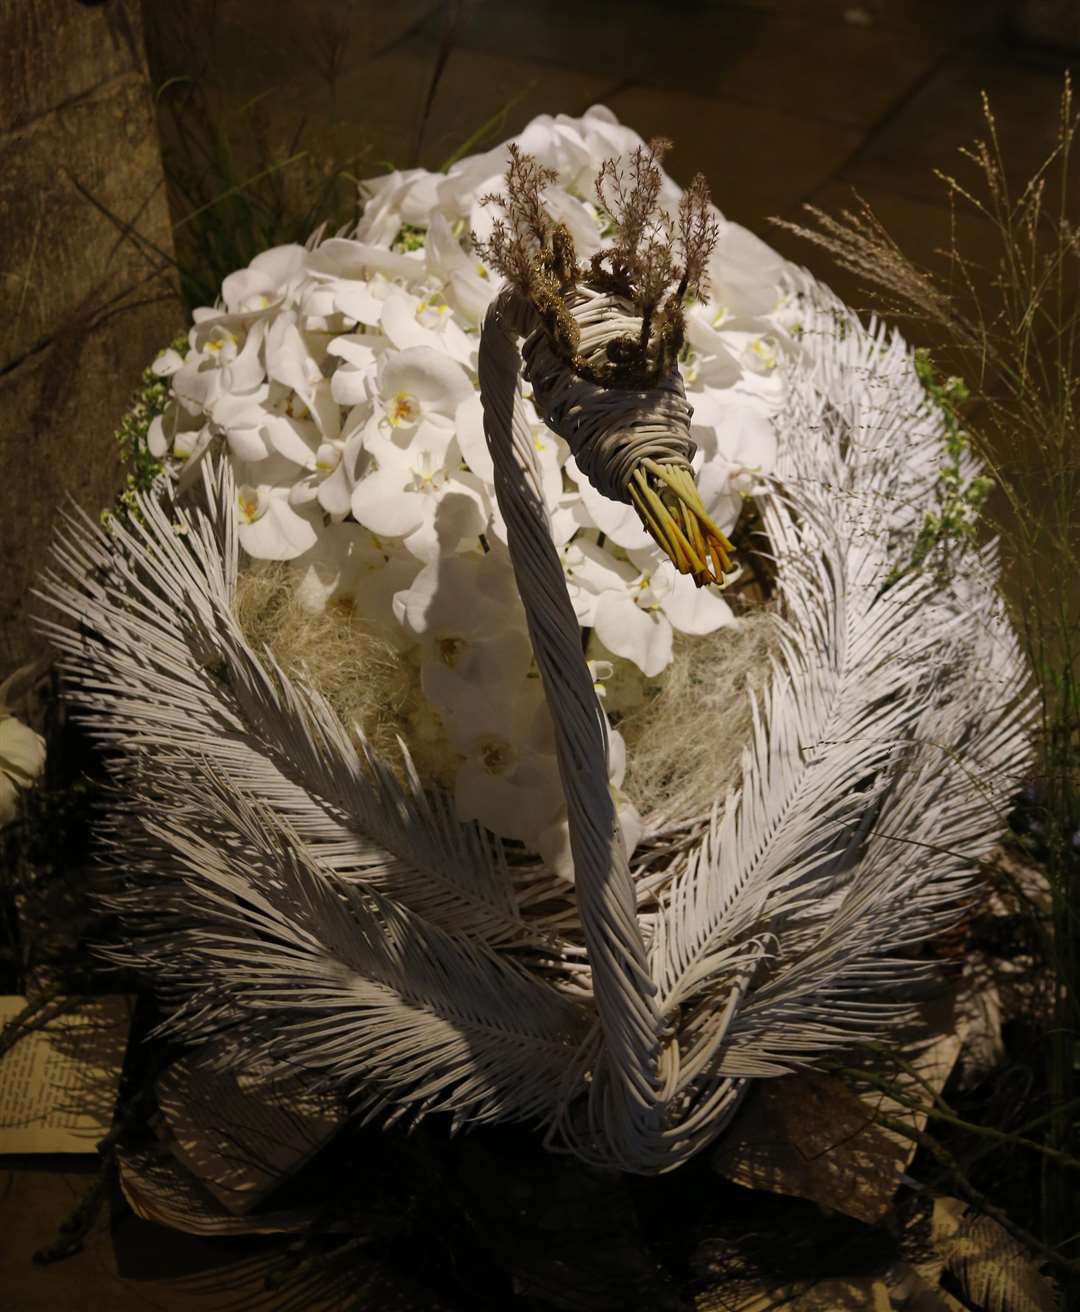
pixel 340 380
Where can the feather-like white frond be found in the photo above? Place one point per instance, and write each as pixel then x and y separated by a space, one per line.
pixel 347 984
pixel 885 746
pixel 160 669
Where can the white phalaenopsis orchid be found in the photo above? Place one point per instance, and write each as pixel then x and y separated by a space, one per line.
pixel 339 381
pixel 465 616
pixel 226 355
pixel 508 779
pixel 353 570
pixel 465 284
pixel 635 604
pixel 416 488
pixel 269 279
pixel 269 526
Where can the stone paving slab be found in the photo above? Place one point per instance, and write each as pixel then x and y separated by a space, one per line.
pixel 477 86
pixel 813 65
pixel 479 96
pixel 964 20
pixel 758 161
pixel 927 131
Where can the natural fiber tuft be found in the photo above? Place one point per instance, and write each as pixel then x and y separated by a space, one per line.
pixel 371 686
pixel 685 738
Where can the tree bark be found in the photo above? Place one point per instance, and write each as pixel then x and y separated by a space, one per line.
pixel 86 292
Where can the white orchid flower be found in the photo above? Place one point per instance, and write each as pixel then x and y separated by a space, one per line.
pixel 617 520
pixel 425 322
pixel 716 365
pixel 243 418
pixel 353 380
pixel 274 421
pixel 394 199
pixel 350 569
pixel 553 841
pixel 175 431
pixel 579 217
pixel 167 362
pixel 738 449
pixel 468 180
pixel 759 354
pixel 509 777
pixel 603 138
pixel 556 143
pixel 634 605
pixel 266 281
pixel 346 303
pixel 269 526
pixel 358 276
pixel 590 571
pixel 318 312
pixel 291 361
pixel 225 356
pixel 744 277
pixel 552 454
pixel 466 284
pixel 418 492
pixel 331 481
pixel 465 614
pixel 343 259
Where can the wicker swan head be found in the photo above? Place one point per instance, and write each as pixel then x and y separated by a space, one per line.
pixel 602 343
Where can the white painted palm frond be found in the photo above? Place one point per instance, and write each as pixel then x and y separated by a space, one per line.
pixel 880 760
pixel 161 671
pixel 882 754
pixel 352 986
pixel 291 896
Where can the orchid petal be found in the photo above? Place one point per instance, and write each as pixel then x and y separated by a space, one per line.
pixel 642 636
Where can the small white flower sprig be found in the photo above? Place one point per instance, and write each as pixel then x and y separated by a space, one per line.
pixel 340 381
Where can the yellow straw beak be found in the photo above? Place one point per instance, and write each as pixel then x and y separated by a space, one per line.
pixel 670 506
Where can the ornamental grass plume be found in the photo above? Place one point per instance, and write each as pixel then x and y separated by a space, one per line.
pixel 525 943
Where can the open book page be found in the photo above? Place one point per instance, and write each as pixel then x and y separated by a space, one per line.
pixel 58 1084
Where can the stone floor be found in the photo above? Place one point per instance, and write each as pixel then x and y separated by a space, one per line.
pixel 780 102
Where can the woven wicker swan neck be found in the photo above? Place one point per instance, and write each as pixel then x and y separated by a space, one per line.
pixel 637 1068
